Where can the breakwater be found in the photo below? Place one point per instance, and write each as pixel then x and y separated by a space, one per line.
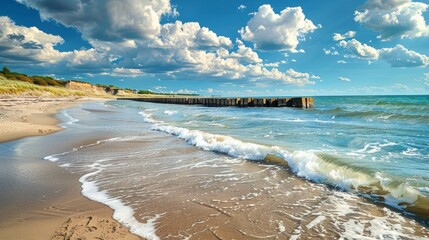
pixel 296 102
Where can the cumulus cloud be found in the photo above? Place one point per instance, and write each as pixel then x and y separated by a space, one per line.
pixel 188 35
pixel 341 62
pixel 394 18
pixel 246 54
pixel 126 72
pixel 241 7
pixel 398 56
pixel 22 44
pixel 360 50
pixel 178 50
pixel 339 37
pixel 344 79
pixel 271 31
pixel 122 21
pixel 29 45
pixel 129 44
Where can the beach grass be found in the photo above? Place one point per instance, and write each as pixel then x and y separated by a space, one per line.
pixel 14 87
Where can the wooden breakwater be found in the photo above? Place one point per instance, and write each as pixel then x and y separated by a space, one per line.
pixel 296 102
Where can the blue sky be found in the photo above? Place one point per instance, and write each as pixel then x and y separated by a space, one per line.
pixel 224 47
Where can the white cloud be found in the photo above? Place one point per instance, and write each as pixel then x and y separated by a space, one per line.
pixel 136 45
pixel 399 56
pixel 127 72
pixel 185 91
pixel 401 87
pixel 339 37
pixel 273 64
pixel 271 31
pixel 121 21
pixel 210 90
pixel 241 7
pixel 331 51
pixel 341 62
pixel 394 18
pixel 360 50
pixel 188 35
pixel 344 79
pixel 29 45
pixel 246 54
pixel 23 44
pixel 159 88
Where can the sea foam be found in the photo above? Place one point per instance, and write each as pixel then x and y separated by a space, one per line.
pixel 305 164
pixel 122 213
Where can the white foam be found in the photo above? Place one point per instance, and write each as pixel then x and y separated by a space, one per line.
pixel 170 112
pixel 411 152
pixel 147 117
pixel 122 213
pixel 71 120
pixel 55 157
pixel 316 221
pixel 370 148
pixel 305 164
pixel 51 158
pixel 217 143
pixel 385 117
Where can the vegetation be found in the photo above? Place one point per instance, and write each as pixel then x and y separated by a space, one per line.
pixel 15 87
pixel 18 83
pixel 38 80
pixel 145 92
pixel 166 94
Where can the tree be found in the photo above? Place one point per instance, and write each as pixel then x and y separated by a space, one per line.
pixel 6 70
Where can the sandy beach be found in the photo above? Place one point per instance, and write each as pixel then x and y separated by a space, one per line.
pixel 24 116
pixel 56 210
pixel 109 175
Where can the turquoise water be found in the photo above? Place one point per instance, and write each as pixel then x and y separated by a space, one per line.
pixel 377 146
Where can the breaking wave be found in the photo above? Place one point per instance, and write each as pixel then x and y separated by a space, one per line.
pixel 309 165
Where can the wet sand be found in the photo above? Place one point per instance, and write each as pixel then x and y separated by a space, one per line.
pixel 193 194
pixel 39 199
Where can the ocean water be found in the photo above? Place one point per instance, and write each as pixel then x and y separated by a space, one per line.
pixel 357 166
pixel 377 144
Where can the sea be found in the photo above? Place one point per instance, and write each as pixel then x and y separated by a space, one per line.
pixel 352 167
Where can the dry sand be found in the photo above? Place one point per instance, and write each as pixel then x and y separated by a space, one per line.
pixel 31 116
pixel 70 215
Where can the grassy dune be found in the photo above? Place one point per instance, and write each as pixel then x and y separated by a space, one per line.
pixel 13 87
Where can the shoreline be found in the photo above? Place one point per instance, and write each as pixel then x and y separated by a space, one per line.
pixel 24 116
pixel 63 212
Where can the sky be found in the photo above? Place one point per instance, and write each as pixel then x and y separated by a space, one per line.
pixel 223 47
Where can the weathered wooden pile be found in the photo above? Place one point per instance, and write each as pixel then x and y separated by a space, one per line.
pixel 296 102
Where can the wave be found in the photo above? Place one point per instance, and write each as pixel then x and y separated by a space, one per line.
pixel 414 116
pixel 122 213
pixel 170 112
pixel 309 165
pixel 71 120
